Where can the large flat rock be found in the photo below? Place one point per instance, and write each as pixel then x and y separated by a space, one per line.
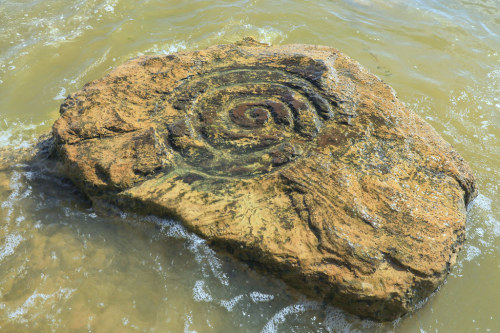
pixel 293 158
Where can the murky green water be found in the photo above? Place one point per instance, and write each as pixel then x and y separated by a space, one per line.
pixel 63 268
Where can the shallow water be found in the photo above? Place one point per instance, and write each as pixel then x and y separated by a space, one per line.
pixel 65 268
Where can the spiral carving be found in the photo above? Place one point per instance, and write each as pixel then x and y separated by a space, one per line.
pixel 291 157
pixel 246 121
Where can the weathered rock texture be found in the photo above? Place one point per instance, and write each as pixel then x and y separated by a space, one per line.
pixel 293 158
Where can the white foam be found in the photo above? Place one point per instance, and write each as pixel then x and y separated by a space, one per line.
pixel 167 48
pixel 338 321
pixel 173 48
pixel 17 314
pixel 109 6
pixel 483 206
pixel 15 186
pixel 258 297
pixel 482 202
pixel 272 325
pixel 215 265
pixel 61 94
pixel 229 305
pixel 18 134
pixel 196 245
pixel 11 242
pixel 494 224
pixel 200 294
pixel 188 320
pixel 471 252
pixel 267 34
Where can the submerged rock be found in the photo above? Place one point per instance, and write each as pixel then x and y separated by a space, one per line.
pixel 293 158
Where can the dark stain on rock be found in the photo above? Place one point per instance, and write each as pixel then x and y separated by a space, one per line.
pixel 190 178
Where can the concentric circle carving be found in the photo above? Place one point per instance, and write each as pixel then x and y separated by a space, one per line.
pixel 246 121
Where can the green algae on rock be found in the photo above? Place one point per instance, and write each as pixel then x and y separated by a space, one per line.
pixel 293 158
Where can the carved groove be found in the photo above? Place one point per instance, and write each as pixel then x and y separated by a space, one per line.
pixel 247 121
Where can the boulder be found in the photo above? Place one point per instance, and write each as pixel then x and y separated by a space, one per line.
pixel 295 159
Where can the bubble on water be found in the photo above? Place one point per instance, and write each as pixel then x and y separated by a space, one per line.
pixel 166 48
pixel 36 299
pixel 482 202
pixel 235 28
pixel 471 252
pixel 61 94
pixel 188 321
pixel 109 6
pixel 229 305
pixel 258 297
pixel 337 320
pixel 196 245
pixel 483 232
pixel 173 48
pixel 19 219
pixel 494 224
pixel 494 75
pixel 483 213
pixel 272 325
pixel 200 293
pixel 18 134
pixel 267 34
pixel 11 242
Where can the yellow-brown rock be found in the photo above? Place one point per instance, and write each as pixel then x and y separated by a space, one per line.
pixel 293 158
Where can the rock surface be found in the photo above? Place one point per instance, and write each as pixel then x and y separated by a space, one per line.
pixel 293 158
